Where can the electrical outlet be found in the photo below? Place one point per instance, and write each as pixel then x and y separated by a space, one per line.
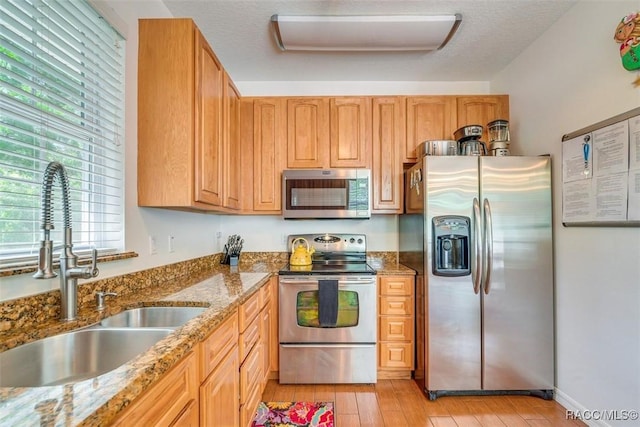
pixel 153 247
pixel 218 234
pixel 170 243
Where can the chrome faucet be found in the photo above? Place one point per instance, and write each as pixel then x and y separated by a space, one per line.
pixel 69 270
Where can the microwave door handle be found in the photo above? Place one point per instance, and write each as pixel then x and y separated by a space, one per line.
pixel 476 254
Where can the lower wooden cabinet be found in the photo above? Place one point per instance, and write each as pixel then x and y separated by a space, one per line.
pixel 220 383
pixel 255 314
pixel 219 394
pixel 219 365
pixel 172 401
pixel 396 340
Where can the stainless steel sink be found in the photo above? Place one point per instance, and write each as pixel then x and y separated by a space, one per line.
pixel 74 356
pixel 153 317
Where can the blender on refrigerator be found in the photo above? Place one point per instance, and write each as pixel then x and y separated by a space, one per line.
pixel 498 137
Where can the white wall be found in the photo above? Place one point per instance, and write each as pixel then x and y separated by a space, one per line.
pixel 570 78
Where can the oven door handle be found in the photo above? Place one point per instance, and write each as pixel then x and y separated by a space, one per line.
pixel 367 282
pixel 324 345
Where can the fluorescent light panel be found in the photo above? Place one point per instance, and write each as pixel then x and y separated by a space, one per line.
pixel 364 33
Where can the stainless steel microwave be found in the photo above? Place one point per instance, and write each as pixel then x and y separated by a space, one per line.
pixel 326 193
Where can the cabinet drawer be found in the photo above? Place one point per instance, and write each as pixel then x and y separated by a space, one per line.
pixel 396 285
pixel 218 344
pixel 249 310
pixel 166 400
pixel 396 355
pixel 396 306
pixel 251 374
pixel 249 338
pixel 396 328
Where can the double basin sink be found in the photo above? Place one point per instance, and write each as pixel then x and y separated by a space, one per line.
pixel 92 351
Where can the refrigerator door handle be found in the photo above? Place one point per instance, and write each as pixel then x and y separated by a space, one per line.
pixel 476 262
pixel 488 247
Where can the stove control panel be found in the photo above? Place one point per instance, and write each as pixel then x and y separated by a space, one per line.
pixel 333 242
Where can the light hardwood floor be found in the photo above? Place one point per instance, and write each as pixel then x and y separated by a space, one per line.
pixel 396 403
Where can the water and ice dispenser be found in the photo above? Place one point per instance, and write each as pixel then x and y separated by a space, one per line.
pixel 452 243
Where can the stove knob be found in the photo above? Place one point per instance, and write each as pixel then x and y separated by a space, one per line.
pixel 352 240
pixel 359 241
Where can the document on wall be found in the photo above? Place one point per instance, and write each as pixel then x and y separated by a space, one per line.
pixel 611 196
pixel 633 212
pixel 634 143
pixel 611 149
pixel 576 156
pixel 601 173
pixel 578 201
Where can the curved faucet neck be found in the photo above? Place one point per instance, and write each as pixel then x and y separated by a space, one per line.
pixel 55 170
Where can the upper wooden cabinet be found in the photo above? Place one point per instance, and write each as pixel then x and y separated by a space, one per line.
pixel 480 110
pixel 428 118
pixel 329 132
pixel 389 117
pixel 350 124
pixel 181 90
pixel 307 132
pixel 264 154
pixel 231 146
pixel 209 122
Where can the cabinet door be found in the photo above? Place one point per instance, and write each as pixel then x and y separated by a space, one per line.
pixel 480 110
pixel 274 342
pixel 265 340
pixel 269 145
pixel 165 401
pixel 428 118
pixel 389 118
pixel 219 394
pixel 190 416
pixel 209 93
pixel 307 133
pixel 350 122
pixel 231 147
pixel 413 189
pixel 166 112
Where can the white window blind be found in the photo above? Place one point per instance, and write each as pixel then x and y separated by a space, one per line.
pixel 61 99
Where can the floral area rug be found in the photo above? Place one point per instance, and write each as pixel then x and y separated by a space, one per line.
pixel 294 414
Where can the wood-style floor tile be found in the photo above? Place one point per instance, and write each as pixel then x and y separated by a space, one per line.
pixel 398 403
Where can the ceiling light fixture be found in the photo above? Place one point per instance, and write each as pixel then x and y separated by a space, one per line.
pixel 364 33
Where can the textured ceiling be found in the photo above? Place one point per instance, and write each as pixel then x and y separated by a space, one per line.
pixel 491 35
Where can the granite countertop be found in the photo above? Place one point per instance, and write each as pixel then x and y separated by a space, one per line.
pixel 98 401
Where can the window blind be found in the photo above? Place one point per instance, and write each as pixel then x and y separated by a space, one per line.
pixel 61 99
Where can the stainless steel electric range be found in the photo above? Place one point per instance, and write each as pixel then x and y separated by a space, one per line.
pixel 327 319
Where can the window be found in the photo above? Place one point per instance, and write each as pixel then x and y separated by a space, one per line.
pixel 61 99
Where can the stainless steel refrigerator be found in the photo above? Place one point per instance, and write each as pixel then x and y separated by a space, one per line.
pixel 478 232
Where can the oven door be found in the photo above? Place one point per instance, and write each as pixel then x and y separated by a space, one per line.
pixel 301 309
